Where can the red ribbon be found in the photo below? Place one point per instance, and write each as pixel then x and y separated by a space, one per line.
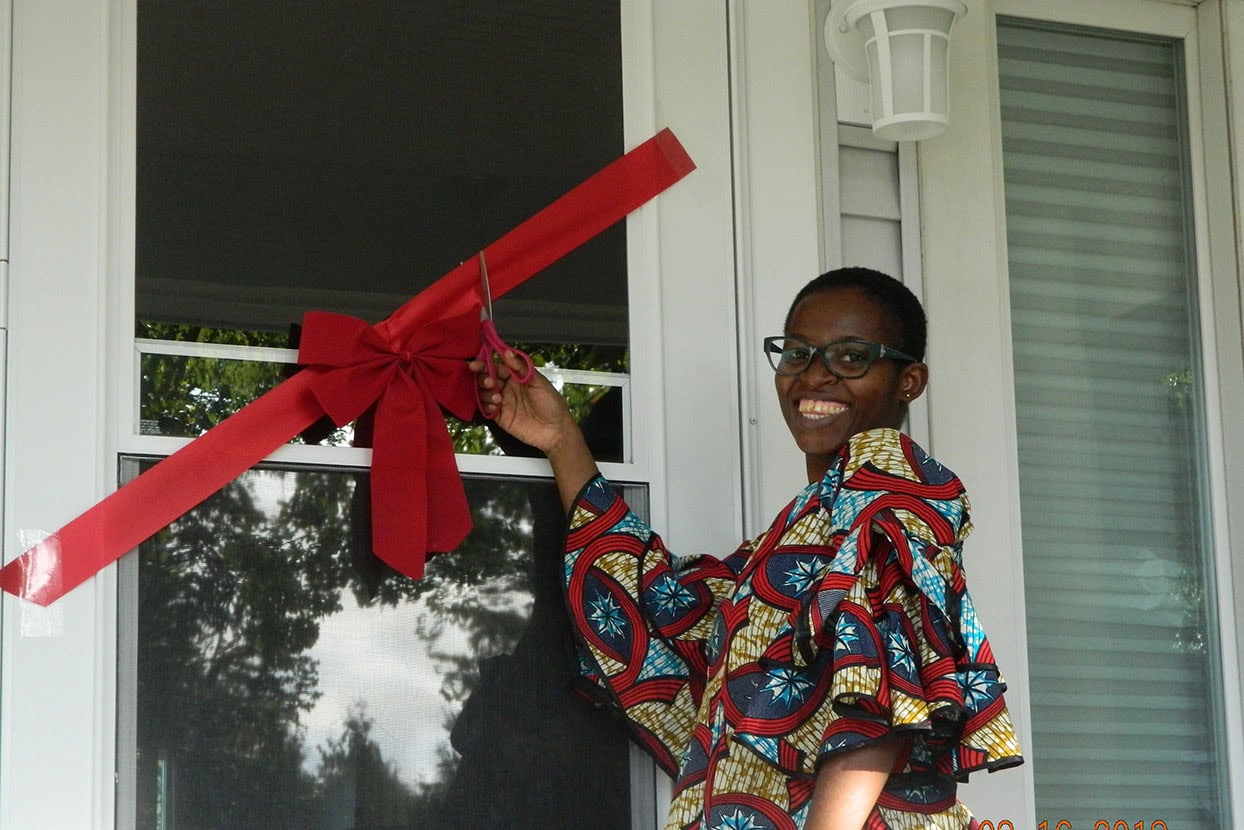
pixel 409 365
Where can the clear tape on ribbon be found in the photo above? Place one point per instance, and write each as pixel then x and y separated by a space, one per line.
pixel 41 573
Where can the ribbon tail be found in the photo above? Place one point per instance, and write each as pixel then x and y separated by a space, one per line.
pixel 415 484
pixel 446 497
pixel 158 497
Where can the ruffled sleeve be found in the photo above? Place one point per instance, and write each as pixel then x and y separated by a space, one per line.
pixel 892 620
pixel 642 619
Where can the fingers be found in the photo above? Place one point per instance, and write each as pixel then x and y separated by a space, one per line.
pixel 491 382
pixel 509 362
pixel 513 363
pixel 485 378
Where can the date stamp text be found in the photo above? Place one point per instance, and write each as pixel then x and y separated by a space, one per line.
pixel 1063 824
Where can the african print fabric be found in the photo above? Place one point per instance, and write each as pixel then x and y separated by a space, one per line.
pixel 847 621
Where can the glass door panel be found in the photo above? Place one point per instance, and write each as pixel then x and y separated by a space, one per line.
pixel 281 676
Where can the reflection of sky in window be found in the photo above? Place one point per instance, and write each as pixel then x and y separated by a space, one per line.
pixel 375 660
pixel 373 656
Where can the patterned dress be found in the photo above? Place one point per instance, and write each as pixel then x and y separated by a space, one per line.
pixel 846 621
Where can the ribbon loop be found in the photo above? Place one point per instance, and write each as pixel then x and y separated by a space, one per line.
pixel 440 351
pixel 337 340
pixel 350 364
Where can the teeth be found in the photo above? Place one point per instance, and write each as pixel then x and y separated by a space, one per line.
pixel 820 409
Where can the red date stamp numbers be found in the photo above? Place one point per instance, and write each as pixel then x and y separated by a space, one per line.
pixel 1063 824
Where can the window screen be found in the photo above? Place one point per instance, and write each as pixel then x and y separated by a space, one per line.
pixel 342 156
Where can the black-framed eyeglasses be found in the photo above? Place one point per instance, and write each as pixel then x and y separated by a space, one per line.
pixel 845 358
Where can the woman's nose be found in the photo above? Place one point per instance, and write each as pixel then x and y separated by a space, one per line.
pixel 818 371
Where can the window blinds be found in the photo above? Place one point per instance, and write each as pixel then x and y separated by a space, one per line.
pixel 1126 721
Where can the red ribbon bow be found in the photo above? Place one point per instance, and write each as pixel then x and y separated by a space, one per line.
pixel 413 475
pixel 402 364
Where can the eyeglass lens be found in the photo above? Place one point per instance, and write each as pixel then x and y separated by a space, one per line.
pixel 847 359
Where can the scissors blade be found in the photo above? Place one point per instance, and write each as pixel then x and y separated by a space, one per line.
pixel 485 293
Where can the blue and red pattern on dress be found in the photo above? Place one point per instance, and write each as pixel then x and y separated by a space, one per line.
pixel 847 621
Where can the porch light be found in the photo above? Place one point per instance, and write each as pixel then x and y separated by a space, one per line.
pixel 902 47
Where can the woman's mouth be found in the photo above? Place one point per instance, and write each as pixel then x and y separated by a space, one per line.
pixel 817 409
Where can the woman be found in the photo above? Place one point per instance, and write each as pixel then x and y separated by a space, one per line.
pixel 830 673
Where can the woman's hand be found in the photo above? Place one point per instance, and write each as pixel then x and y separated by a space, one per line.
pixel 533 412
pixel 536 414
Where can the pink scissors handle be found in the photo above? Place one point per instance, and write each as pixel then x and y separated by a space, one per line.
pixel 493 344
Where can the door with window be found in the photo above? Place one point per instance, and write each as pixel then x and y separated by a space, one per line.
pixel 275 672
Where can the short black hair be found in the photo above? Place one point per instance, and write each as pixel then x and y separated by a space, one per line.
pixel 894 297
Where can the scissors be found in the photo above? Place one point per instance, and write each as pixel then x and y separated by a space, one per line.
pixel 491 341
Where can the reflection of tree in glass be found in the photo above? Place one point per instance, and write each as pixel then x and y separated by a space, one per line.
pixel 1189 590
pixel 227 611
pixel 356 779
pixel 189 395
pixel 231 597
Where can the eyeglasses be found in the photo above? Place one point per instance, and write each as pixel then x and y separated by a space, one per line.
pixel 844 359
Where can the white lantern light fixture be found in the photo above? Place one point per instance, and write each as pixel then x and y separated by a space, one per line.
pixel 902 47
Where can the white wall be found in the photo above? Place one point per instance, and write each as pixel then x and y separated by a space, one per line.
pixel 972 409
pixel 779 221
pixel 698 491
pixel 57 667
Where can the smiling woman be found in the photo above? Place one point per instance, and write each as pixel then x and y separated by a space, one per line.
pixel 831 672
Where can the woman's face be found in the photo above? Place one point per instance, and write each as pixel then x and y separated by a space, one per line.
pixel 822 410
